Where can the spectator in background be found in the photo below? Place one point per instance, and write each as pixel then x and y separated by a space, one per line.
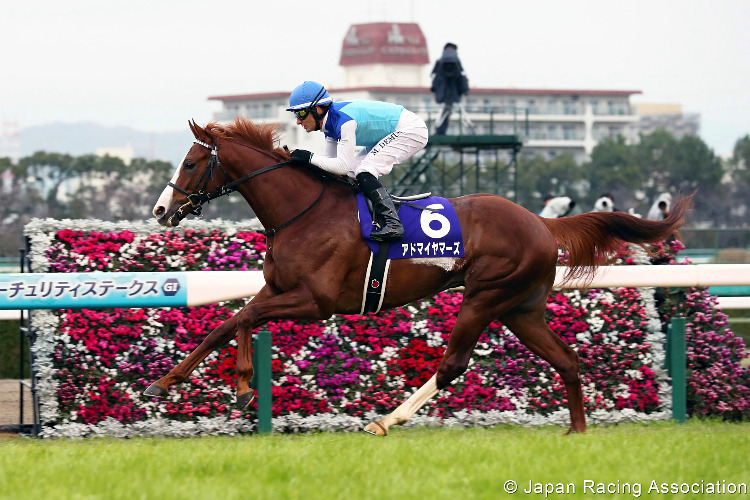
pixel 449 83
pixel 545 201
pixel 605 203
pixel 660 209
pixel 559 206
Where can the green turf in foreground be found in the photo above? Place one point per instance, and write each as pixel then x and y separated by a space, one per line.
pixel 410 464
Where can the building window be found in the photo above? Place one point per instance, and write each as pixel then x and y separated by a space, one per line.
pixel 553 107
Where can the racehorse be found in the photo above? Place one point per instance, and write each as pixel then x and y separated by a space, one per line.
pixel 316 259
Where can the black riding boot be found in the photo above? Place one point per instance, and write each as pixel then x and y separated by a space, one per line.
pixel 390 227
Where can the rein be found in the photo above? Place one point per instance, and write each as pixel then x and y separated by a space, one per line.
pixel 197 198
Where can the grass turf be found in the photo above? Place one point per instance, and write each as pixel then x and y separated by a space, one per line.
pixel 409 463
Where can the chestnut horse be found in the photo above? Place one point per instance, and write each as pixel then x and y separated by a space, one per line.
pixel 316 261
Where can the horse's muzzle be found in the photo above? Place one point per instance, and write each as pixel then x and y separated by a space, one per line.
pixel 175 219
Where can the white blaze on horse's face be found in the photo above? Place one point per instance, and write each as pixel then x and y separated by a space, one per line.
pixel 165 199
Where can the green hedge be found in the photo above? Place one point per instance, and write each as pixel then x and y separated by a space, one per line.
pixel 9 350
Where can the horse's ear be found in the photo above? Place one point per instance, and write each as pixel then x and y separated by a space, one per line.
pixel 193 127
pixel 198 132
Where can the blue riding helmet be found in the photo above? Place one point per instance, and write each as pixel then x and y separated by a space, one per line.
pixel 307 95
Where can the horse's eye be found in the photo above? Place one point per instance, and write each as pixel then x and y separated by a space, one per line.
pixel 188 165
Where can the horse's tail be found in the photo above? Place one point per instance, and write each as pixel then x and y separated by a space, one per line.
pixel 591 239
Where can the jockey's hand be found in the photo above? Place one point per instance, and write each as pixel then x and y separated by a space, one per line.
pixel 301 155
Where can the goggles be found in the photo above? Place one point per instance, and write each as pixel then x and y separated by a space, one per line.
pixel 302 113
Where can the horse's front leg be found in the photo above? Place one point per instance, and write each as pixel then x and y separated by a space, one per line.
pixel 218 337
pixel 245 370
pixel 296 304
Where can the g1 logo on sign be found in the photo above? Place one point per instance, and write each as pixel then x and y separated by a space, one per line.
pixel 171 287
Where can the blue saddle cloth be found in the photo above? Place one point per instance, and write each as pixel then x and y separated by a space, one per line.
pixel 432 232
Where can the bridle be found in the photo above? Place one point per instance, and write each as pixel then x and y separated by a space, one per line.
pixel 200 195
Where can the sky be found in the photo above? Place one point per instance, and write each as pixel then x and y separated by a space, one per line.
pixel 152 64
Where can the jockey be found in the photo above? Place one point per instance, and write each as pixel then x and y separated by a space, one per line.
pixel 388 133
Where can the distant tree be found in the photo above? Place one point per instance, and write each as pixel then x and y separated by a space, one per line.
pixel 46 173
pixel 679 166
pixel 740 161
pixel 62 186
pixel 738 196
pixel 613 169
pixel 538 177
pixel 696 167
pixel 113 191
pixel 17 207
pixel 656 155
pixel 140 187
pixel 672 165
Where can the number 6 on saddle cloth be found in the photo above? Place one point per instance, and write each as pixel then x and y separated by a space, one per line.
pixel 431 231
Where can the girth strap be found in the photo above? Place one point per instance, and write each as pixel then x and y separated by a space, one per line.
pixel 375 279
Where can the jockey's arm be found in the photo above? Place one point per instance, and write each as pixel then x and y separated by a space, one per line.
pixel 331 144
pixel 339 154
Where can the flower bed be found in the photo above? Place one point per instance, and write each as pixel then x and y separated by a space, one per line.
pixel 338 374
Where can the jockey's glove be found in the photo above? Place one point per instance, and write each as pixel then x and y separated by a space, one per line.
pixel 301 155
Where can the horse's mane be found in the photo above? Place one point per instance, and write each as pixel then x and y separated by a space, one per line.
pixel 265 136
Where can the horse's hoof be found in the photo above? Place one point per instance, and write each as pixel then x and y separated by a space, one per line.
pixel 572 431
pixel 244 401
pixel 376 429
pixel 155 391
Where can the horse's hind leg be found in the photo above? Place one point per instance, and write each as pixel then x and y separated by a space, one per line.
pixel 404 412
pixel 470 324
pixel 532 330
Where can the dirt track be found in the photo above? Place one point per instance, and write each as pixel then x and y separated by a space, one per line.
pixel 9 403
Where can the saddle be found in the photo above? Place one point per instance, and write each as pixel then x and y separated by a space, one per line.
pixel 403 200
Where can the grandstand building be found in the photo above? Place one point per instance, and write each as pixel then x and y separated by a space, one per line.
pixel 389 62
